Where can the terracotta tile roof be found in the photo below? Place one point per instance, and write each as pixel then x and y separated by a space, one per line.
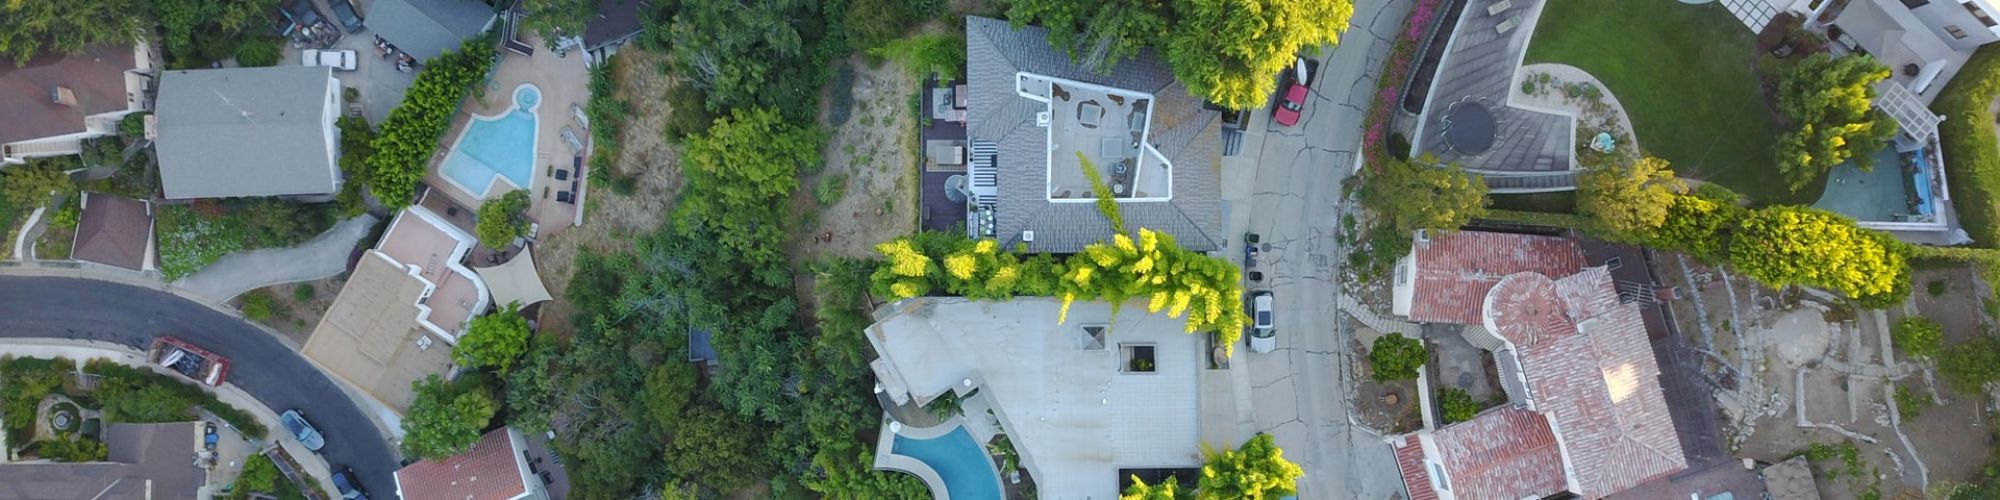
pixel 113 230
pixel 1410 459
pixel 1454 270
pixel 491 470
pixel 1503 453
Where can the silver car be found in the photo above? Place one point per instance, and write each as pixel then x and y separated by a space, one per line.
pixel 1264 331
pixel 301 429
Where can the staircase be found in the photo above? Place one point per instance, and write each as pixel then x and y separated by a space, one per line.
pixel 1530 183
pixel 43 148
pixel 1375 322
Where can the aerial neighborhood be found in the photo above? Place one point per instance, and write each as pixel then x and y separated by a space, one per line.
pixel 1000 249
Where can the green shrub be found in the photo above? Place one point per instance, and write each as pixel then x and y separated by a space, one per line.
pixel 1937 287
pixel 257 305
pixel 303 292
pixel 1909 403
pixel 1967 135
pixel 830 189
pixel 1395 357
pixel 67 216
pixel 922 55
pixel 259 52
pixel 1457 404
pixel 503 219
pixel 1920 338
pixel 133 126
pixel 1969 366
pixel 409 138
pixel 66 448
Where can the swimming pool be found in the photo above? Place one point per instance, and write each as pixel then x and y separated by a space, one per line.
pixel 497 147
pixel 960 463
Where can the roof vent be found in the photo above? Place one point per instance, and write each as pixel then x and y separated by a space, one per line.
pixel 63 96
pixel 1028 236
pixel 424 343
pixel 1042 119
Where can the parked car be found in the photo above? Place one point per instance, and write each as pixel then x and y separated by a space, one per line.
pixel 1264 331
pixel 303 12
pixel 1288 110
pixel 342 60
pixel 349 488
pixel 301 429
pixel 208 436
pixel 344 10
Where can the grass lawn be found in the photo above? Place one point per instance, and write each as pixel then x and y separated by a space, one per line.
pixel 1686 75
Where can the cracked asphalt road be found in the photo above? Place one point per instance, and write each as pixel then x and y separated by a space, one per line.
pixel 71 308
pixel 1300 392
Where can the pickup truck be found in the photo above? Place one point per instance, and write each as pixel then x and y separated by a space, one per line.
pixel 195 363
pixel 342 60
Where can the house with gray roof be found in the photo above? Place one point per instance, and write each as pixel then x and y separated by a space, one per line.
pixel 427 28
pixel 236 132
pixel 1037 120
pixel 146 461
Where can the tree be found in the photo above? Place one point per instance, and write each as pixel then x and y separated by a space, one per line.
pixel 260 52
pixel 186 25
pixel 1457 404
pixel 32 28
pixel 1629 198
pixel 1395 357
pixel 1920 338
pixel 555 19
pixel 710 449
pixel 1827 102
pixel 1166 490
pixel 872 23
pixel 1231 51
pixel 33 184
pixel 409 137
pixel 1420 194
pixel 740 174
pixel 1256 471
pixel 1782 246
pixel 1699 226
pixel 65 448
pixel 494 340
pixel 445 419
pixel 503 219
pixel 769 53
pixel 1110 31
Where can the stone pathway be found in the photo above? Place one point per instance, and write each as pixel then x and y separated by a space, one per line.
pixel 326 255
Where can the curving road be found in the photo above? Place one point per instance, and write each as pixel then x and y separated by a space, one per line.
pixel 71 308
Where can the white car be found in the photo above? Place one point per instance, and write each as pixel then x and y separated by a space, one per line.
pixel 1264 331
pixel 342 60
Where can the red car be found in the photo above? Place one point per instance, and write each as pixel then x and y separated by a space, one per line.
pixel 1287 113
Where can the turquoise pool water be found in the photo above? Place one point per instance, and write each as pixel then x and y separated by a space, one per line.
pixel 967 472
pixel 502 146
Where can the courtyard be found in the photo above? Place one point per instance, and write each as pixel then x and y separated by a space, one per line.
pixel 533 98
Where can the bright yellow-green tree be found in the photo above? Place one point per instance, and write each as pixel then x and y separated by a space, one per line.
pixel 1256 471
pixel 1166 490
pixel 1783 246
pixel 1231 51
pixel 1628 197
pixel 1206 289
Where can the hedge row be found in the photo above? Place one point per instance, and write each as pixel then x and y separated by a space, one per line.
pixel 408 139
pixel 1971 158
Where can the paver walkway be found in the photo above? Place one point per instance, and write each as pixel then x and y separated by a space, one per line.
pixel 1479 66
pixel 326 255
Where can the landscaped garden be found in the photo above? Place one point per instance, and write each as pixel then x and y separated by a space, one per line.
pixel 1687 76
pixel 120 394
pixel 193 236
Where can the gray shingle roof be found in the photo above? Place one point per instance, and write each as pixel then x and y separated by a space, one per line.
pixel 1183 130
pixel 247 132
pixel 426 28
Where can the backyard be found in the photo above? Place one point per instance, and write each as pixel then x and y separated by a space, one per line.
pixel 1687 76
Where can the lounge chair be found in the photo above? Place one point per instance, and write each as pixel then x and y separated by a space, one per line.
pixel 562 175
pixel 563 196
pixel 569 136
pixel 1499 7
pixel 1504 27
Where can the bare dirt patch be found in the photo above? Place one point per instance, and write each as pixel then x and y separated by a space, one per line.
pixel 611 220
pixel 1386 407
pixel 872 158
pixel 295 313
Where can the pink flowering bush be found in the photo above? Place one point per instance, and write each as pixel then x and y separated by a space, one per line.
pixel 1394 72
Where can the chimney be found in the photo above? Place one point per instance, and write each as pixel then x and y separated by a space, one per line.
pixel 64 96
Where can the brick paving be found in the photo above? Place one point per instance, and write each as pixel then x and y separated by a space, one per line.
pixel 1479 67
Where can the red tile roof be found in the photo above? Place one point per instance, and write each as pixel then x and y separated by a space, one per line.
pixel 1410 459
pixel 1454 270
pixel 1592 381
pixel 113 230
pixel 491 470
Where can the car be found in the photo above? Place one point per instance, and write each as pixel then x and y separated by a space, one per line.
pixel 344 10
pixel 1264 331
pixel 296 424
pixel 282 24
pixel 303 12
pixel 342 60
pixel 208 436
pixel 1288 110
pixel 350 489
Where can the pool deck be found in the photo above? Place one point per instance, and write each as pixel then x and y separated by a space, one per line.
pixel 563 82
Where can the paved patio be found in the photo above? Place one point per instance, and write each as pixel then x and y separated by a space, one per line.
pixel 1479 68
pixel 564 85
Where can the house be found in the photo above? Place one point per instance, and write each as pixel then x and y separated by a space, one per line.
pixel 402 309
pixel 115 231
pixel 1033 118
pixel 1086 402
pixel 1923 42
pixel 236 132
pixel 146 461
pixel 56 100
pixel 426 28
pixel 617 22
pixel 1584 416
pixel 502 465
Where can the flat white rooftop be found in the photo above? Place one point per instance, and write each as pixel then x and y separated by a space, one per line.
pixel 1076 413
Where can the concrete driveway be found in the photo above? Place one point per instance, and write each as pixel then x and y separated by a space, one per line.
pixel 1286 187
pixel 381 86
pixel 277 376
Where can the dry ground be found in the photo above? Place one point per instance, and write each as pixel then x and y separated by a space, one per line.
pixel 873 157
pixel 610 220
pixel 293 317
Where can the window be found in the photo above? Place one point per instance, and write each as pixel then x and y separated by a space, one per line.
pixel 1614 263
pixel 1915 3
pixel 1956 34
pixel 1981 14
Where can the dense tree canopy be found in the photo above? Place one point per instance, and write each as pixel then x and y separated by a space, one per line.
pixel 1783 246
pixel 553 19
pixel 741 172
pixel 494 340
pixel 1096 35
pixel 187 24
pixel 1420 194
pixel 503 219
pixel 1256 471
pixel 1395 357
pixel 1827 102
pixel 33 184
pixel 446 418
pixel 1628 197
pixel 1231 51
pixel 743 54
pixel 28 28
